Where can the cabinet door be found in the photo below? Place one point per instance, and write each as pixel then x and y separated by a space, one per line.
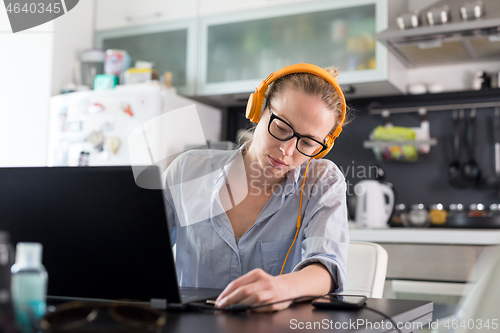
pixel 241 49
pixel 170 46
pixel 112 14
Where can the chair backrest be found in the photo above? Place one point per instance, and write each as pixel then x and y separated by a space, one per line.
pixel 480 308
pixel 366 269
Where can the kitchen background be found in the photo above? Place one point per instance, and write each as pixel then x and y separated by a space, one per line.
pixel 218 50
pixel 44 57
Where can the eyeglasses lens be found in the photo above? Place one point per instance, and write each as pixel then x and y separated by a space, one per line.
pixel 283 131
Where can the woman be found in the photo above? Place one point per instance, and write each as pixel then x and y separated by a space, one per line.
pixel 253 221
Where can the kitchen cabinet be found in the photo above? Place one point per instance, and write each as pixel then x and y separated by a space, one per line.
pixel 237 51
pixel 169 45
pixel 111 14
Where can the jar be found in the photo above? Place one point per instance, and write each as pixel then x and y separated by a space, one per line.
pixel 456 209
pixel 494 209
pixel 418 216
pixel 477 210
pixel 400 216
pixel 437 214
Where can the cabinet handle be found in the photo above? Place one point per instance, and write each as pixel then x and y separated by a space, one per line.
pixel 134 17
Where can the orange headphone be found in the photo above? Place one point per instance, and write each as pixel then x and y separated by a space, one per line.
pixel 256 102
pixel 255 108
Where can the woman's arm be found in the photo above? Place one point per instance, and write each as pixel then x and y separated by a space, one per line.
pixel 258 286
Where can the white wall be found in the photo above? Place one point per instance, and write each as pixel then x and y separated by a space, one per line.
pixel 25 73
pixel 33 66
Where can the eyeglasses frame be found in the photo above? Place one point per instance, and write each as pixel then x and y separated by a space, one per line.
pixel 295 134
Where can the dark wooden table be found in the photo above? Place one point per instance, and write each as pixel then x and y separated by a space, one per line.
pixel 409 314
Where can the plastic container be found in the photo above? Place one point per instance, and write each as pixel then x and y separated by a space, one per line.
pixel 437 215
pixel 418 216
pixel 29 284
pixel 6 308
pixel 399 217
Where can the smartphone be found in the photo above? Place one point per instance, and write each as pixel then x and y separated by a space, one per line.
pixel 340 302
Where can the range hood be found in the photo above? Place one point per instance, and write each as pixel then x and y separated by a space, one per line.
pixel 457 41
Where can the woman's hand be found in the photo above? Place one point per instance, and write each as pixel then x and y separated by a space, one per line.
pixel 258 286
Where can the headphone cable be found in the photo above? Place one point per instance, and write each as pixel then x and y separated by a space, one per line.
pixel 299 218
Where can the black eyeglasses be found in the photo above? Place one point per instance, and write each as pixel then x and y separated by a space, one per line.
pixel 283 131
pixel 74 315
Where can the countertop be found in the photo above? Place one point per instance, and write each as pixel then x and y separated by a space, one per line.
pixel 427 236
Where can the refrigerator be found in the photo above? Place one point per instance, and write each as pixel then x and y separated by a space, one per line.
pixel 97 128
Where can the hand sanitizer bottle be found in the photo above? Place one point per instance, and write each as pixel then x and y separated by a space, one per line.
pixel 29 285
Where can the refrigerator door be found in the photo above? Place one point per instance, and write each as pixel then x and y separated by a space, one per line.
pixel 93 127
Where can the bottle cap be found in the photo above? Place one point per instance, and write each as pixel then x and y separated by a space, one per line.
pixel 29 254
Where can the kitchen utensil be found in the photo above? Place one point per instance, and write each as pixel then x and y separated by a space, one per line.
pixel 470 171
pixel 496 138
pixel 438 15
pixel 454 174
pixel 408 20
pixel 481 80
pixel 374 203
pixel 472 10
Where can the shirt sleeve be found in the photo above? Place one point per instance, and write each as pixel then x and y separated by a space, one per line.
pixel 326 235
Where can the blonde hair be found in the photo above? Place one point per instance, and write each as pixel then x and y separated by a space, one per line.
pixel 310 84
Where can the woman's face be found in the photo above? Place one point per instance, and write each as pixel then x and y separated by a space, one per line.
pixel 307 114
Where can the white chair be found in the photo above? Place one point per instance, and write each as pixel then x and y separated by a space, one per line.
pixel 366 269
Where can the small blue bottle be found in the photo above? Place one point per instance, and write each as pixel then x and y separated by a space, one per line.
pixel 28 285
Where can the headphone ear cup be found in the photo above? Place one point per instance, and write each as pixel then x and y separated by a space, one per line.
pixel 255 107
pixel 250 112
pixel 330 141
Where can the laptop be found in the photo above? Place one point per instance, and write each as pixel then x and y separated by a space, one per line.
pixel 104 238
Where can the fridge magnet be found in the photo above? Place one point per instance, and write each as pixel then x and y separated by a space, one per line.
pixel 96 108
pixel 96 138
pixel 128 110
pixel 112 144
pixel 74 126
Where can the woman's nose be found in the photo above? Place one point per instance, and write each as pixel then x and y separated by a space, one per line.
pixel 288 147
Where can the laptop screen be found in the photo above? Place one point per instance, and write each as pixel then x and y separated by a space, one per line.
pixel 103 236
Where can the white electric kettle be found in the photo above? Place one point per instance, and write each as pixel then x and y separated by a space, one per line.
pixel 374 204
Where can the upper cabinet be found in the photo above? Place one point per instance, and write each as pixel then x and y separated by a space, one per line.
pixel 239 50
pixel 229 47
pixel 169 45
pixel 111 14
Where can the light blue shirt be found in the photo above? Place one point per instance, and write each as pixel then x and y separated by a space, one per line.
pixel 207 254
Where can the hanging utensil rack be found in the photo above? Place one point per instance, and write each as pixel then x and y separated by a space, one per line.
pixel 377 109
